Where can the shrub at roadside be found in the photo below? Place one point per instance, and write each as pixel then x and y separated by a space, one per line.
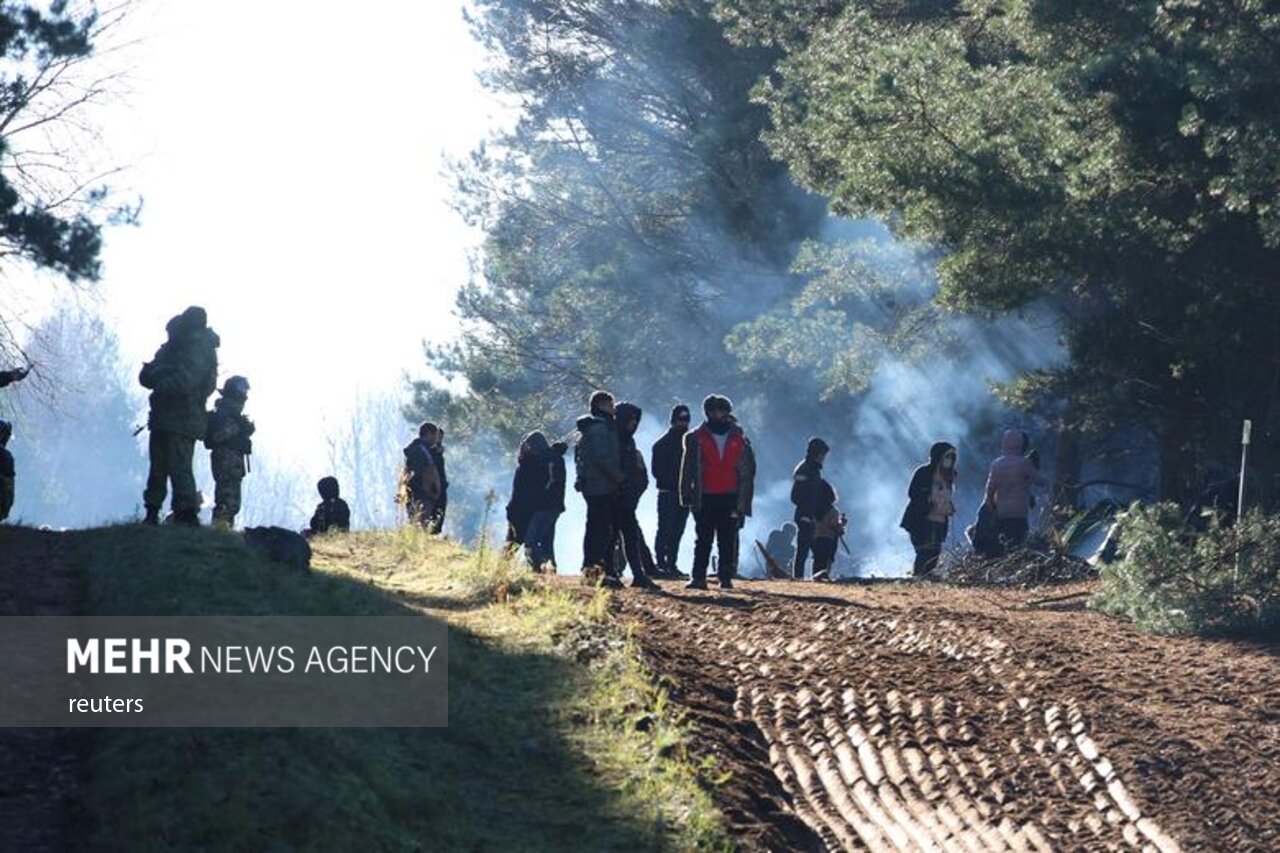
pixel 1172 580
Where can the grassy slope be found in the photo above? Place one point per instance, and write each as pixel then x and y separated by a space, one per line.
pixel 557 740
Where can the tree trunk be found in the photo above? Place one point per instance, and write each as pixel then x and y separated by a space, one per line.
pixel 1177 461
pixel 1067 468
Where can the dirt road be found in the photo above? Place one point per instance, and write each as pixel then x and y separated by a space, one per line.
pixel 900 718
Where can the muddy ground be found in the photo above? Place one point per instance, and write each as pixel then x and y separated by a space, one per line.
pixel 897 717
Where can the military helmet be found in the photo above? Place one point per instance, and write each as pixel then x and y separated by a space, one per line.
pixel 235 386
pixel 6 430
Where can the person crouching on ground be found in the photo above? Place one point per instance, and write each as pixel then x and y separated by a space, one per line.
pixel 332 513
pixel 930 506
pixel 717 483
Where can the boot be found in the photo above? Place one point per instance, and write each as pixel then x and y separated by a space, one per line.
pixel 642 582
pixel 152 518
pixel 187 517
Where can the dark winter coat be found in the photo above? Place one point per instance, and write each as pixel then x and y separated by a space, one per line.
pixel 331 514
pixel 437 456
pixel 421 477
pixel 920 488
pixel 666 459
pixel 598 457
pixel 537 486
pixel 181 377
pixel 559 476
pixel 812 495
pixel 630 459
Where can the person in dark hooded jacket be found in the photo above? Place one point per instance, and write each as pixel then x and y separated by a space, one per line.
pixel 420 481
pixel 672 517
pixel 635 483
pixel 599 478
pixel 813 498
pixel 332 513
pixel 930 506
pixel 537 499
pixel 181 377
pixel 542 535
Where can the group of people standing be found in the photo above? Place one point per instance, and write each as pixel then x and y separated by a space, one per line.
pixel 707 472
pixel 181 377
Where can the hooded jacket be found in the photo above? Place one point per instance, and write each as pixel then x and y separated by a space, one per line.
pixel 692 464
pixel 921 486
pixel 1011 477
pixel 630 459
pixel 181 377
pixel 421 477
pixel 812 495
pixel 598 456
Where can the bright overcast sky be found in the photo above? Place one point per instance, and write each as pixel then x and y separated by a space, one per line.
pixel 290 155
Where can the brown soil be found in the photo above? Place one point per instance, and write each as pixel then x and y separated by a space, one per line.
pixel 930 717
pixel 39 768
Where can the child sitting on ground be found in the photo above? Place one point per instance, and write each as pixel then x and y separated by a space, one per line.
pixel 332 513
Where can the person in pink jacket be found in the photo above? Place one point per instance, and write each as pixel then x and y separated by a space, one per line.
pixel 1009 490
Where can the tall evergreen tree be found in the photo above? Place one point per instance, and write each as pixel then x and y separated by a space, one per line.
pixel 1115 161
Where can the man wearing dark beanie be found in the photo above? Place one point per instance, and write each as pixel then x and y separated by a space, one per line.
pixel 672 517
pixel 717 483
pixel 813 498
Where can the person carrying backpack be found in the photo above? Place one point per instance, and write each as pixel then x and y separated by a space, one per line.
pixel 181 376
pixel 420 484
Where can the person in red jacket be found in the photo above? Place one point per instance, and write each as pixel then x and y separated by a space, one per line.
pixel 717 482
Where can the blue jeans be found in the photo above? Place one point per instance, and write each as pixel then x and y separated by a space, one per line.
pixel 540 537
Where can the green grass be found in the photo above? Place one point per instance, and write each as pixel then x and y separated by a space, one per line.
pixel 558 737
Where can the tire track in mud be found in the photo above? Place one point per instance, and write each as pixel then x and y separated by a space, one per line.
pixel 885 732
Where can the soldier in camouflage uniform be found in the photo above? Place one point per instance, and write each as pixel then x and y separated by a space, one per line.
pixel 181 377
pixel 228 439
